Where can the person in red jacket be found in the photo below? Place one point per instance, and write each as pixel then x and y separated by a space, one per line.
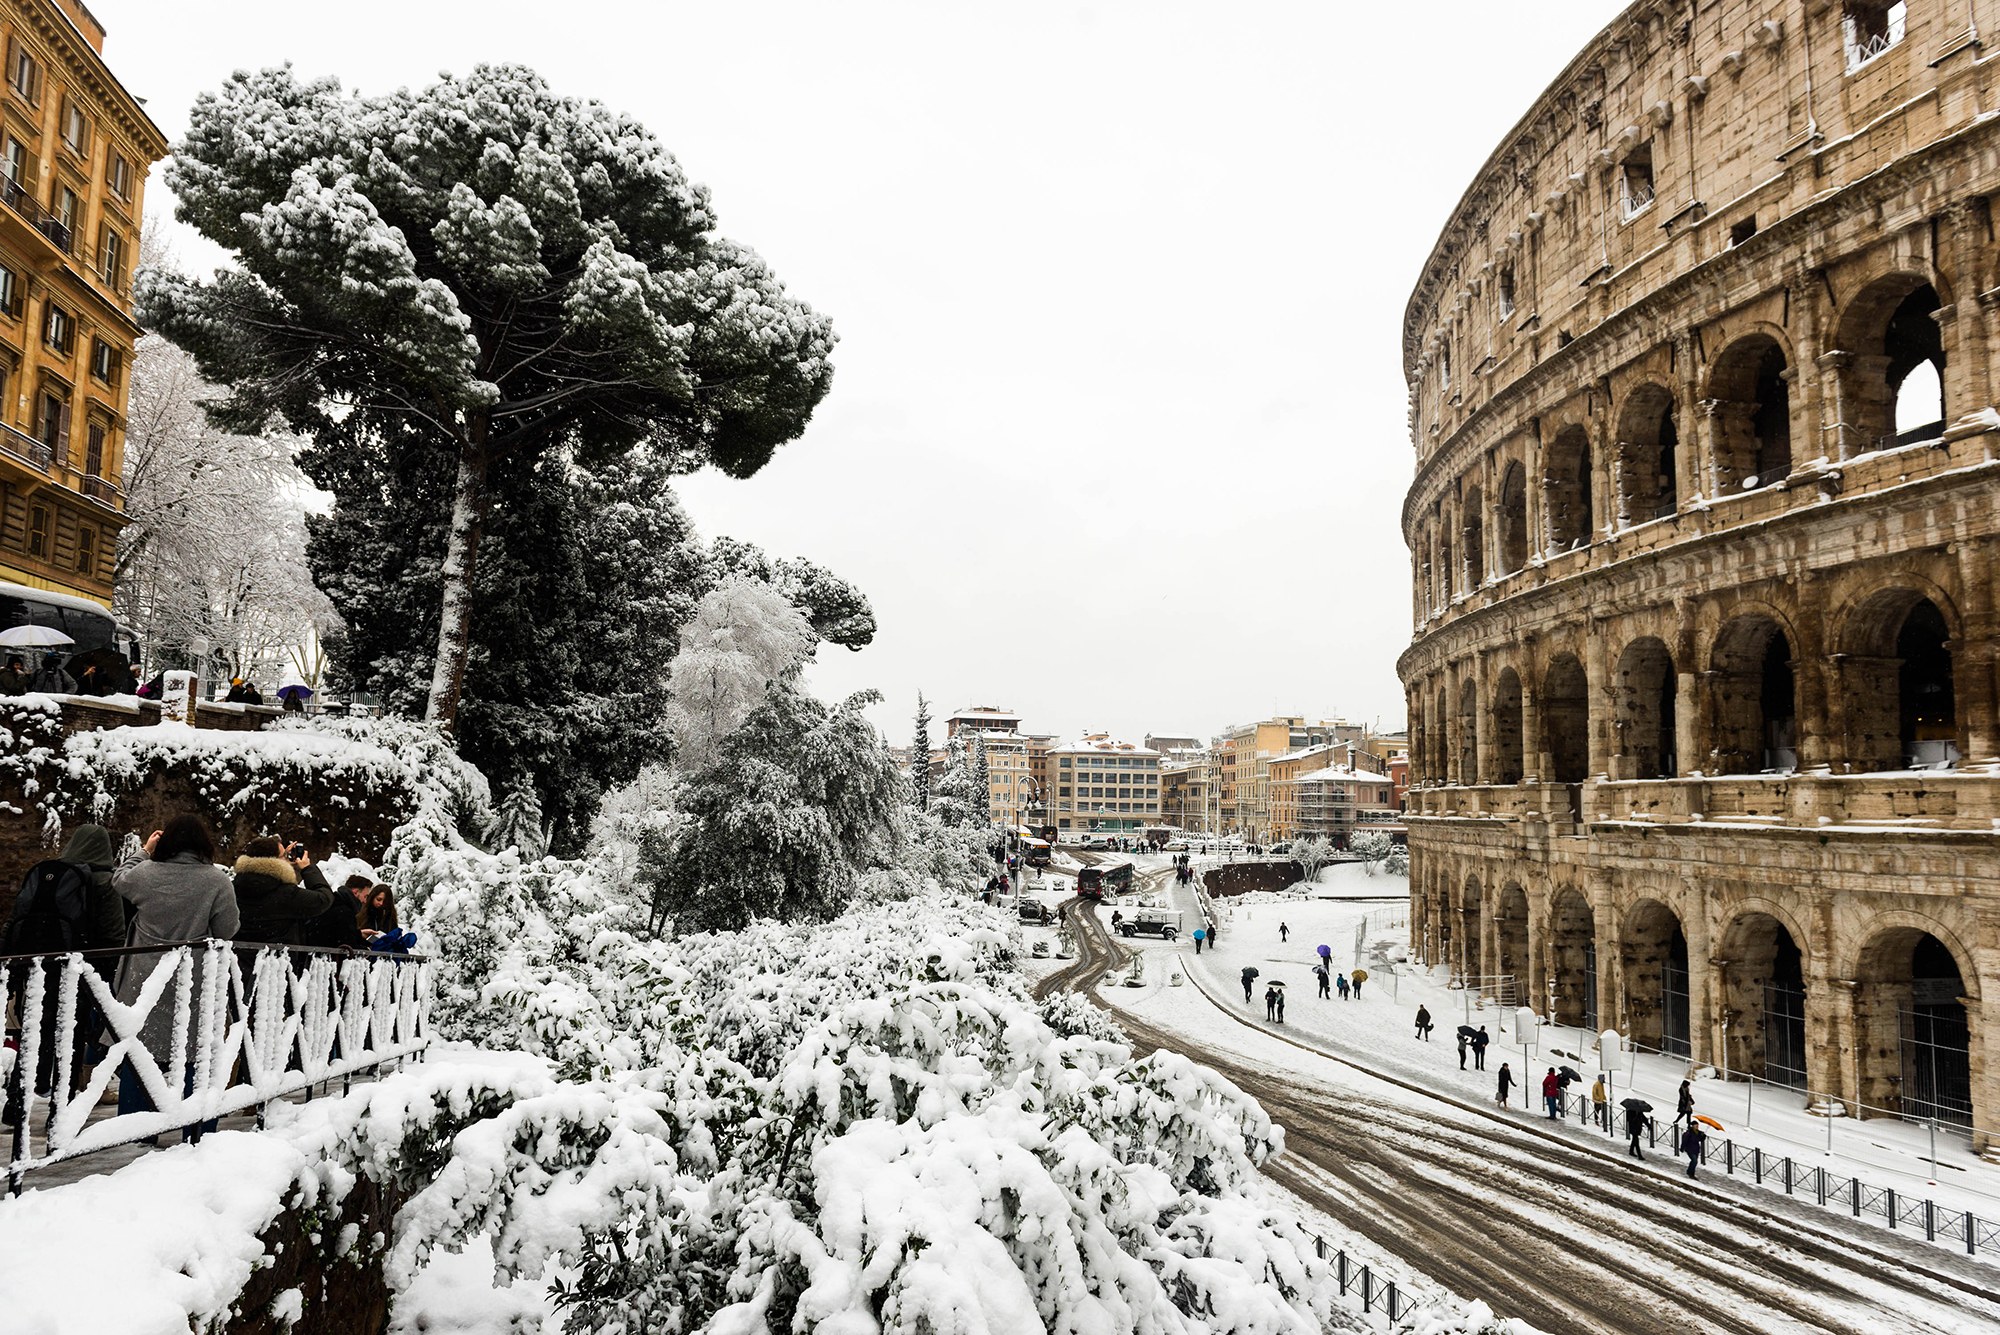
pixel 1552 1094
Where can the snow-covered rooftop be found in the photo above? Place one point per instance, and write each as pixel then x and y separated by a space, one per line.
pixel 1098 744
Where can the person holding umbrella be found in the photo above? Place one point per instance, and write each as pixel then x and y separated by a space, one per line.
pixel 1693 1142
pixel 1325 983
pixel 1635 1124
pixel 1249 978
pixel 1271 1002
pixel 1506 1083
pixel 1280 989
pixel 1465 1033
pixel 1358 977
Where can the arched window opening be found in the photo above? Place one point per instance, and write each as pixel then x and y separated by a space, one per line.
pixel 1754 713
pixel 1507 749
pixel 1439 741
pixel 1448 578
pixel 1513 519
pixel 1648 486
pixel 1654 954
pixel 1475 540
pixel 1753 412
pixel 1566 719
pixel 1567 485
pixel 1763 980
pixel 1911 1028
pixel 1573 959
pixel 1915 348
pixel 1646 705
pixel 1925 697
pixel 1510 939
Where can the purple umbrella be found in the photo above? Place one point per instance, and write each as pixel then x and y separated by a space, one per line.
pixel 1326 952
pixel 295 692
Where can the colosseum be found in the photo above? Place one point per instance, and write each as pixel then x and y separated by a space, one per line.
pixel 1703 683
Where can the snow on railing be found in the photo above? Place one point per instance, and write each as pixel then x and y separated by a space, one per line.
pixel 302 1017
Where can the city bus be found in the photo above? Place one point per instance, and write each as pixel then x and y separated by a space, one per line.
pixel 85 622
pixel 1097 882
pixel 1035 852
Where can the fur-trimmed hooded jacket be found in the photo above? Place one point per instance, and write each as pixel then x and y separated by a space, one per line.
pixel 276 898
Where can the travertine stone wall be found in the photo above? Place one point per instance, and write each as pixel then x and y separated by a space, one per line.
pixel 1704 688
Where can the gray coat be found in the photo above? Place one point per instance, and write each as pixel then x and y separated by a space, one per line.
pixel 185 899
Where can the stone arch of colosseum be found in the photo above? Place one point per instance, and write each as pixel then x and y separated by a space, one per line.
pixel 1760 962
pixel 1749 405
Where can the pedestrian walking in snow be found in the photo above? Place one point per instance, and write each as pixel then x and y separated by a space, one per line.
pixel 1635 1127
pixel 1552 1094
pixel 1284 932
pixel 1424 1025
pixel 1342 985
pixel 1360 977
pixel 1325 987
pixel 1479 1042
pixel 1600 1103
pixel 1462 1049
pixel 1270 1003
pixel 1249 977
pixel 1281 1005
pixel 1684 1106
pixel 1693 1141
pixel 1506 1082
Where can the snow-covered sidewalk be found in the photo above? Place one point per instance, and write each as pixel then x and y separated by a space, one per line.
pixel 1378 1031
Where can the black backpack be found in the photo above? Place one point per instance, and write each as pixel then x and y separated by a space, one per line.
pixel 52 915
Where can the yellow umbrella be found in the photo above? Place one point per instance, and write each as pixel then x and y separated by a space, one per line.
pixel 1359 975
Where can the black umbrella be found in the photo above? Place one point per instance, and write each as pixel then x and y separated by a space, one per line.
pixel 1467 1031
pixel 1636 1105
pixel 1251 971
pixel 1567 1074
pixel 113 675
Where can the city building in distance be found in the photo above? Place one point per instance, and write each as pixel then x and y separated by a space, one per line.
pixel 1104 786
pixel 1703 528
pixel 75 148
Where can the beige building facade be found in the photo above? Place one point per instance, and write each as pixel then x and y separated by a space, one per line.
pixel 1105 787
pixel 1703 689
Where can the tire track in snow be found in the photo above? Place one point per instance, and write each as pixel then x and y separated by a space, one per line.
pixel 1545 1228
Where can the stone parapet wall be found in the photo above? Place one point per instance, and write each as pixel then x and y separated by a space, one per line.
pixel 1240 878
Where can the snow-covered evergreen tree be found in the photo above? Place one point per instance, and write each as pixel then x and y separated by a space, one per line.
pixel 959 800
pixel 920 757
pixel 982 780
pixel 517 822
pixel 475 274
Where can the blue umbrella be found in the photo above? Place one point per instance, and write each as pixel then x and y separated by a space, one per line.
pixel 295 692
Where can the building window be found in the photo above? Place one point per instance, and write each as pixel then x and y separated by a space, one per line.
pixel 24 72
pixel 53 420
pixel 75 128
pixel 1506 284
pixel 1444 366
pixel 111 258
pixel 1743 231
pixel 10 293
pixel 68 208
pixel 38 531
pixel 93 449
pixel 59 330
pixel 104 361
pixel 118 175
pixel 1868 28
pixel 1635 181
pixel 86 549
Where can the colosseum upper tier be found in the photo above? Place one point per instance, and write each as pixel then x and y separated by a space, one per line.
pixel 1702 693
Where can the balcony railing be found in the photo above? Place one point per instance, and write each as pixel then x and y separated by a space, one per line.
pixel 24 447
pixel 39 218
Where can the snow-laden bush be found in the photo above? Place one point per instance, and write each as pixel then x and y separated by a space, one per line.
pixel 859 1124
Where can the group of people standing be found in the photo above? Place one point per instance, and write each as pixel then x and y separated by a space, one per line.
pixel 175 894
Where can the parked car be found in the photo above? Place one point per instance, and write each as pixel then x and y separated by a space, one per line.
pixel 1034 910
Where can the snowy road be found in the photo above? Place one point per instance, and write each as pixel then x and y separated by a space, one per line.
pixel 1557 1231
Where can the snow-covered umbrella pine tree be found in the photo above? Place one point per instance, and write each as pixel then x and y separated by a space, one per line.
pixel 480 269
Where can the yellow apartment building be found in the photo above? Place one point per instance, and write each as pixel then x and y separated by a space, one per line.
pixel 1104 786
pixel 75 148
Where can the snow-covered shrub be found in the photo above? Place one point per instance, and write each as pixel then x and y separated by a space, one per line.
pixel 31 739
pixel 1397 862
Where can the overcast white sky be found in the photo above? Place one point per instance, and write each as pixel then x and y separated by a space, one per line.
pixel 1116 436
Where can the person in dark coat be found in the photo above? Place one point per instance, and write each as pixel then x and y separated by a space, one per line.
pixel 1479 1042
pixel 1505 1083
pixel 1325 985
pixel 1270 1003
pixel 1463 1046
pixel 51 678
pixel 1693 1141
pixel 242 692
pixel 15 677
pixel 1684 1105
pixel 1635 1127
pixel 1284 932
pixel 1424 1024
pixel 1249 981
pixel 1552 1094
pixel 340 926
pixel 278 890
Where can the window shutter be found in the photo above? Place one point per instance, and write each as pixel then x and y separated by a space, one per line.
pixel 62 435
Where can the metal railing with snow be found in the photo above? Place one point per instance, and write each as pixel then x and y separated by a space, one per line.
pixel 222 1041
